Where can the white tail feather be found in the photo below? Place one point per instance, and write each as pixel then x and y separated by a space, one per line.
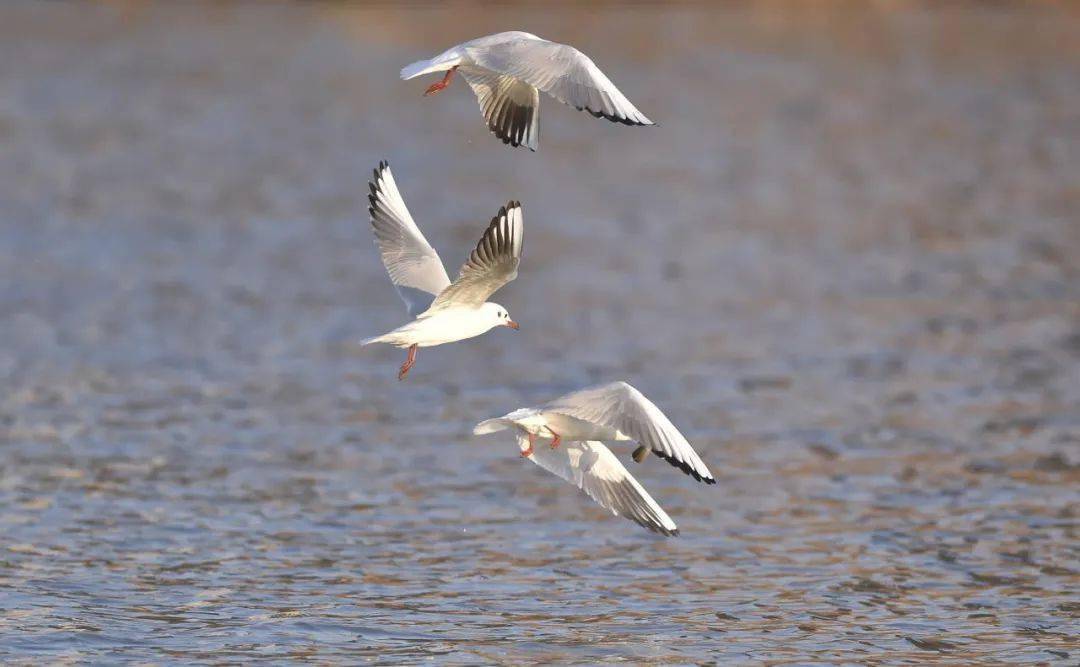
pixel 492 426
pixel 420 67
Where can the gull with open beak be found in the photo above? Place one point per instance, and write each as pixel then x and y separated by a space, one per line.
pixel 444 311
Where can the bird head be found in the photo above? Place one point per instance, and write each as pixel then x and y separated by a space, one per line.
pixel 498 315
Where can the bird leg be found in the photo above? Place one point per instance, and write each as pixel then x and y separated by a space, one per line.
pixel 528 452
pixel 410 361
pixel 439 85
pixel 556 440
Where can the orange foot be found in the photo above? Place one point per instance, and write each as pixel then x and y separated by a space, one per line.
pixel 410 361
pixel 526 453
pixel 439 85
pixel 556 440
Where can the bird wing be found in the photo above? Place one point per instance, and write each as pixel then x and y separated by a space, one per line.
pixel 413 265
pixel 592 467
pixel 492 264
pixel 510 106
pixel 620 406
pixel 559 70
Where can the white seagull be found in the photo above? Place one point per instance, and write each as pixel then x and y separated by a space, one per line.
pixel 507 70
pixel 445 312
pixel 611 412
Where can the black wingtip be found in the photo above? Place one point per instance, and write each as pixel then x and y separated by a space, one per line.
pixel 512 125
pixel 375 187
pixel 661 530
pixel 377 172
pixel 685 467
pixel 511 142
pixel 614 119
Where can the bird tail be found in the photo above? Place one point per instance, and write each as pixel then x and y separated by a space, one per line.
pixel 374 339
pixel 419 67
pixel 491 426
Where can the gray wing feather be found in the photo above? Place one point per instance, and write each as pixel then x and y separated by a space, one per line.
pixel 510 106
pixel 619 405
pixel 492 264
pixel 413 265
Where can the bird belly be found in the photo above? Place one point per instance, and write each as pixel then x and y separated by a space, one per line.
pixel 528 422
pixel 572 428
pixel 440 328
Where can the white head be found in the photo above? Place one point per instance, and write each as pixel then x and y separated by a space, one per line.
pixel 497 315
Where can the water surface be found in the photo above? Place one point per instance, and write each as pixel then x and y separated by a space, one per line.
pixel 844 264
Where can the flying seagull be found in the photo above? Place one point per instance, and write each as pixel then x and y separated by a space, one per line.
pixel 444 312
pixel 507 70
pixel 613 412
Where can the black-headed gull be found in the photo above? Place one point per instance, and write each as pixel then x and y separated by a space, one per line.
pixel 445 312
pixel 507 70
pixel 611 412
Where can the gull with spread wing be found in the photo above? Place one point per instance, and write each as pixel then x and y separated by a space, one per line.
pixel 444 311
pixel 507 70
pixel 579 421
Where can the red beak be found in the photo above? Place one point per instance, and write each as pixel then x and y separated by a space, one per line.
pixel 513 325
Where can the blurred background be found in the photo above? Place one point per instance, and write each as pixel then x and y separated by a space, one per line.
pixel 845 264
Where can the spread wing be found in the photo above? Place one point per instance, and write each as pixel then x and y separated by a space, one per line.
pixel 620 406
pixel 592 467
pixel 511 107
pixel 561 71
pixel 491 265
pixel 413 265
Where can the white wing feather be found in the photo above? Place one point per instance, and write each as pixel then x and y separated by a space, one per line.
pixel 413 265
pixel 559 70
pixel 620 406
pixel 592 467
pixel 492 264
pixel 511 107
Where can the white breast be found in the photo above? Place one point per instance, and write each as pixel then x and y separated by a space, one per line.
pixel 447 326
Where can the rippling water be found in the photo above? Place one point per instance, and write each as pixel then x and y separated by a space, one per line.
pixel 845 264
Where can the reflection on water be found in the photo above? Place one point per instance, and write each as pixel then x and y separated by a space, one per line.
pixel 844 264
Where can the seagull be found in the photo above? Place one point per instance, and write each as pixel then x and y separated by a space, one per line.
pixel 611 412
pixel 444 312
pixel 507 70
